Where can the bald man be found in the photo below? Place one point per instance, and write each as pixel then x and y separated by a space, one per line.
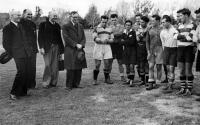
pixel 30 32
pixel 51 46
pixel 14 42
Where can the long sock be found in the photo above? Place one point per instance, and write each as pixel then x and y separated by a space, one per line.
pixel 190 82
pixel 106 73
pixel 131 77
pixel 95 74
pixel 142 77
pixel 146 78
pixel 165 70
pixel 183 82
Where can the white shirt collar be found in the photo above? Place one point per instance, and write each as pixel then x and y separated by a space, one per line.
pixel 73 23
pixel 51 22
pixel 125 31
pixel 14 23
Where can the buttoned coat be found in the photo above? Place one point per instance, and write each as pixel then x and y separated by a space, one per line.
pixel 14 41
pixel 73 36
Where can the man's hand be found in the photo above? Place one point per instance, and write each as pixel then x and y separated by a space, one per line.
pixel 109 41
pixel 42 51
pixel 79 46
pixel 148 55
pixel 194 49
pixel 98 40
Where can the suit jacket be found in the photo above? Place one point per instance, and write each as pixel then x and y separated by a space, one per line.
pixel 73 36
pixel 14 41
pixel 50 34
pixel 30 32
pixel 130 47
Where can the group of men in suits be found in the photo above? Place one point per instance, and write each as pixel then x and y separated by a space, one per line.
pixel 20 41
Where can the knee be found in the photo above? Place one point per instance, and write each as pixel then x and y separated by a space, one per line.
pixel 151 67
pixel 97 66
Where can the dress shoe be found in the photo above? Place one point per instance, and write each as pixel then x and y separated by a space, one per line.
pixel 149 86
pixel 13 97
pixel 198 99
pixel 52 85
pixel 68 88
pixel 187 92
pixel 164 81
pixel 131 84
pixel 108 81
pixel 95 82
pixel 141 83
pixel 181 91
pixel 123 79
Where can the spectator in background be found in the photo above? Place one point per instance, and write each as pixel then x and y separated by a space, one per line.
pixel 155 52
pixel 117 48
pixel 102 51
pixel 31 35
pixel 75 61
pixel 186 53
pixel 51 46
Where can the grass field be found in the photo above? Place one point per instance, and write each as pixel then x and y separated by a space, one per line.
pixel 104 104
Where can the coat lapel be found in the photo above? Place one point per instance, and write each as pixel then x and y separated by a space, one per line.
pixel 79 32
pixel 72 26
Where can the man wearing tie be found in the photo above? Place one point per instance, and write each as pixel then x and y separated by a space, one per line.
pixel 74 37
pixel 14 42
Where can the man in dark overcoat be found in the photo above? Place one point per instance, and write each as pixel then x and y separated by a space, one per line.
pixel 30 32
pixel 14 42
pixel 74 37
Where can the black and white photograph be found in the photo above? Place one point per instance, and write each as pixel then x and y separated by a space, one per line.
pixel 100 62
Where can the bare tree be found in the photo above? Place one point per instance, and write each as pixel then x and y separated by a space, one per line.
pixel 123 9
pixel 144 7
pixel 92 17
pixel 108 12
pixel 63 15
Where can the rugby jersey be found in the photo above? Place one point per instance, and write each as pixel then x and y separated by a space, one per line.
pixel 188 31
pixel 198 36
pixel 102 33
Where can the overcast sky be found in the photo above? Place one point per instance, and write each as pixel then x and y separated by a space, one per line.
pixel 81 6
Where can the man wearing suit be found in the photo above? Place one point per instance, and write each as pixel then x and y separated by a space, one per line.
pixel 30 32
pixel 14 42
pixel 51 45
pixel 74 37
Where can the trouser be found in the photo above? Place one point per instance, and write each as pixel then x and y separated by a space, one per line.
pixel 19 87
pixel 32 71
pixel 73 78
pixel 50 76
